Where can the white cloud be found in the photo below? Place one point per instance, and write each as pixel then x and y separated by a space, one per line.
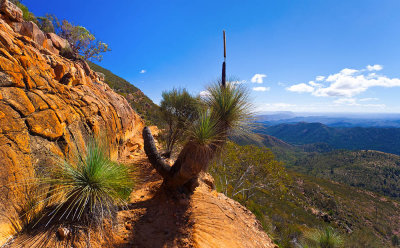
pixel 300 88
pixel 261 88
pixel 347 83
pixel 369 99
pixel 258 78
pixel 312 83
pixel 319 78
pixel 346 101
pixel 374 67
pixel 204 93
pixel 142 71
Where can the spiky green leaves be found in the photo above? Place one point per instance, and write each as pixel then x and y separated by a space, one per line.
pixel 205 131
pixel 230 107
pixel 90 188
pixel 323 238
pixel 227 111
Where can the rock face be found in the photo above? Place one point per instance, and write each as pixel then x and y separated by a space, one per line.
pixel 11 11
pixel 49 106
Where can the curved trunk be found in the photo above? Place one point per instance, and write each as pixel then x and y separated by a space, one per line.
pixel 152 153
pixel 191 161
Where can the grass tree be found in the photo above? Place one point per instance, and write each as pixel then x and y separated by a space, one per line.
pixel 323 238
pixel 90 188
pixel 86 189
pixel 226 110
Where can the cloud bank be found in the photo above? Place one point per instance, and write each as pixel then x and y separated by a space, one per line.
pixel 347 83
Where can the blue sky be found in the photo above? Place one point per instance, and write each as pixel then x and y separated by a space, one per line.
pixel 352 47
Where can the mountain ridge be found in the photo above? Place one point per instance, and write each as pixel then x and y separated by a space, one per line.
pixel 352 138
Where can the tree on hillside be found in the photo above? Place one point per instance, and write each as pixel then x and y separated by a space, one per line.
pixel 226 109
pixel 179 110
pixel 82 41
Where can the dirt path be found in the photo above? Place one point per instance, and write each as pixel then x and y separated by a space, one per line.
pixel 157 218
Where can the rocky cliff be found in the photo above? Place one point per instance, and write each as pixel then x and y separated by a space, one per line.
pixel 49 105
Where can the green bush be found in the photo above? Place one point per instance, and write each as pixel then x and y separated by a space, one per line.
pixel 243 172
pixel 179 110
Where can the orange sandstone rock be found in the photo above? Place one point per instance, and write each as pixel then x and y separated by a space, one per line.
pixel 17 98
pixel 46 124
pixel 49 106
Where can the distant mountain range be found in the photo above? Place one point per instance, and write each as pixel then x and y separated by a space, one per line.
pixel 333 120
pixel 351 138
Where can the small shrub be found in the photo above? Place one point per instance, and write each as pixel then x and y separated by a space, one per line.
pixel 179 110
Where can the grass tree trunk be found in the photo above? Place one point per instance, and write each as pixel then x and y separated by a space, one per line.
pixel 191 160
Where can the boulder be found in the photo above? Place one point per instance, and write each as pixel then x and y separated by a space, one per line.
pixel 11 11
pixel 31 30
pixel 49 46
pixel 57 41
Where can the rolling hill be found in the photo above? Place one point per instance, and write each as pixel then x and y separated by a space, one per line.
pixel 142 104
pixel 354 138
pixel 372 170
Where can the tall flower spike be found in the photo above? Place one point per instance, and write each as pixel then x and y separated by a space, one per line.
pixel 223 81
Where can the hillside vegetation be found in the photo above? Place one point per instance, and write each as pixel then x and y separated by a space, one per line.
pixel 142 104
pixel 371 170
pixel 357 138
pixel 366 169
pixel 289 204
